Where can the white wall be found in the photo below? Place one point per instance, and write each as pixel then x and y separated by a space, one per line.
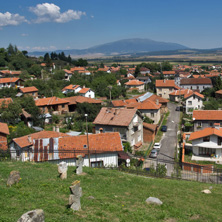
pixel 197 103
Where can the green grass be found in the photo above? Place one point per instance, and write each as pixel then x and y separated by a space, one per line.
pixel 118 196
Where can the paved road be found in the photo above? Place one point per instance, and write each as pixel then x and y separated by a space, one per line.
pixel 169 139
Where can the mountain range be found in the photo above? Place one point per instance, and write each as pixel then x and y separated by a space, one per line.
pixel 121 47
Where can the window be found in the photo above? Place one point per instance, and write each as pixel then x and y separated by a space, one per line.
pixel 97 164
pixel 206 151
pixel 160 95
pixel 219 141
pixel 199 124
pixel 160 90
pixel 189 102
pixel 211 124
pixel 152 114
pixel 206 139
pixel 198 99
pixel 63 106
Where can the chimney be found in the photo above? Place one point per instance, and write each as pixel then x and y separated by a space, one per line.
pixel 157 102
pixel 57 129
pixel 164 80
pixel 54 128
pixel 29 139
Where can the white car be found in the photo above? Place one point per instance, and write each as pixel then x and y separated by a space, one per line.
pixel 156 146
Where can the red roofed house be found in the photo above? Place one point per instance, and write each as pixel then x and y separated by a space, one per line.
pixel 30 91
pixel 4 131
pixel 54 104
pixel 149 132
pixel 178 95
pixel 196 84
pixel 128 122
pixel 71 88
pixel 167 74
pixel 10 82
pixel 194 100
pixel 87 92
pixel 39 146
pixel 103 149
pixel 135 84
pixel 165 87
pixel 207 144
pixel 218 94
pixel 206 118
pixel 5 101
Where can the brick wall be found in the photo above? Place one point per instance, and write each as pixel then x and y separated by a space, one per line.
pixel 148 135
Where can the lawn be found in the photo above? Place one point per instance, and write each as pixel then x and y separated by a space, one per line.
pixel 118 196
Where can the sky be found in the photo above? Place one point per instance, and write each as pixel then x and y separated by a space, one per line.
pixel 35 25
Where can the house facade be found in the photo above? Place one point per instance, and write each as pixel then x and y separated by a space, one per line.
pixel 196 84
pixel 128 122
pixel 30 91
pixel 87 92
pixel 207 144
pixel 10 83
pixel 165 87
pixel 135 84
pixel 193 100
pixel 206 118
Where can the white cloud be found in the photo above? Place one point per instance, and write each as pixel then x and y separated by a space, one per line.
pixel 47 12
pixel 42 48
pixel 92 16
pixel 7 19
pixel 24 34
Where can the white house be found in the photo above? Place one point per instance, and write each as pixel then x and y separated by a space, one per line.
pixel 207 144
pixel 196 84
pixel 87 92
pixel 10 83
pixel 71 88
pixel 194 100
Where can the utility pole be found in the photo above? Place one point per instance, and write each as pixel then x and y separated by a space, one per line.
pixel 86 115
pixel 110 89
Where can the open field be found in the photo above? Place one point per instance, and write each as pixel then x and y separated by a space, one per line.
pixel 118 196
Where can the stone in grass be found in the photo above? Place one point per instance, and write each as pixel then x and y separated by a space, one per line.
pixel 91 197
pixel 33 216
pixel 62 169
pixel 206 191
pixel 154 200
pixel 74 198
pixel 13 178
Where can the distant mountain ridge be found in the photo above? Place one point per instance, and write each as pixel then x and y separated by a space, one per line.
pixel 125 46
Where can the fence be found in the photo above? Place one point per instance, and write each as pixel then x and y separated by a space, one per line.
pixel 152 167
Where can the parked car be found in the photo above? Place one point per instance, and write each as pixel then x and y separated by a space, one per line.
pixel 164 128
pixel 154 153
pixel 177 108
pixel 156 146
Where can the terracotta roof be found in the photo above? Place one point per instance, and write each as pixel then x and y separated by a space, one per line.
pixel 148 104
pixel 50 101
pixel 166 83
pixel 8 80
pixel 169 72
pixel 24 141
pixel 4 128
pixel 67 71
pixel 71 87
pixel 81 99
pixel 207 115
pixel 134 83
pixel 29 89
pixel 181 92
pixel 77 69
pixel 152 127
pixel 5 101
pixel 155 97
pixel 205 132
pixel 219 91
pixel 198 81
pixel 193 93
pixel 198 76
pixel 103 69
pixel 103 142
pixel 115 116
pixel 84 90
pixel 26 114
pixel 10 72
pixel 119 103
pixel 128 101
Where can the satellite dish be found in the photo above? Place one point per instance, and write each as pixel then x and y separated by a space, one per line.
pixel 128 160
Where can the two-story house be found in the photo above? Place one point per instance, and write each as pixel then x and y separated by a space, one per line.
pixel 165 87
pixel 193 100
pixel 128 122
pixel 196 84
pixel 30 91
pixel 206 118
pixel 207 144
pixel 135 84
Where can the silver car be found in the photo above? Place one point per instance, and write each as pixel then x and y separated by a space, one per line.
pixel 154 153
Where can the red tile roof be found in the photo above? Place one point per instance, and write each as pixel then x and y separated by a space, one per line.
pixel 193 93
pixel 77 69
pixel 149 126
pixel 84 90
pixel 155 97
pixel 181 92
pixel 134 83
pixel 119 103
pixel 29 89
pixel 71 87
pixel 4 128
pixel 148 104
pixel 198 81
pixel 169 72
pixel 219 91
pixel 205 132
pixel 101 143
pixel 50 101
pixel 67 71
pixel 207 115
pixel 166 83
pixel 81 99
pixel 9 72
pixel 8 80
pixel 115 116
pixel 5 101
pixel 24 141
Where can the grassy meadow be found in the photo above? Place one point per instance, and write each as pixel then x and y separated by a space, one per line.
pixel 117 196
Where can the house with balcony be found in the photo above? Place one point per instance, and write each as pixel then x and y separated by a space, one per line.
pixel 128 122
pixel 206 118
pixel 207 144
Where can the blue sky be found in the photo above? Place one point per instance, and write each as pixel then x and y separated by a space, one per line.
pixel 35 25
